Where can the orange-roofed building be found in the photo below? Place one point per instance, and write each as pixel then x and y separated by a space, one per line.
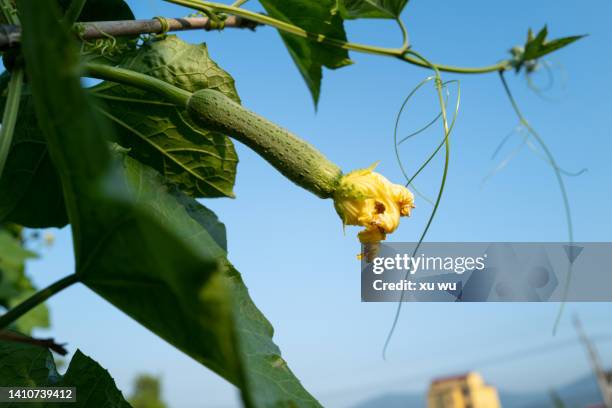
pixel 462 391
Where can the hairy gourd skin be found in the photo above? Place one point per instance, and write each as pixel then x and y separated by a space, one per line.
pixel 293 157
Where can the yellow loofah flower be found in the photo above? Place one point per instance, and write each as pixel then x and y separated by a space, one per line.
pixel 368 199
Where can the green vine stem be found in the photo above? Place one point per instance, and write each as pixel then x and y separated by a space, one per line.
pixel 36 299
pixel 9 118
pixel 558 176
pixel 172 93
pixel 400 53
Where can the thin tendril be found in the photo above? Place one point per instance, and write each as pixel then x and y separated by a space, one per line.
pixel 397 119
pixel 507 159
pixel 396 143
pixel 410 180
pixel 540 90
pixel 450 129
pixel 566 205
pixel 106 47
pixel 535 150
pixel 501 144
pixel 439 86
pixel 421 194
pixel 421 130
pixel 525 141
pixel 550 79
pixel 430 123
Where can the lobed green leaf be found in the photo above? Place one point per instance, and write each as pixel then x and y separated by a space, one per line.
pixel 316 17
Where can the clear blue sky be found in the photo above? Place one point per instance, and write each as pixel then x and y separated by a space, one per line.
pixel 300 267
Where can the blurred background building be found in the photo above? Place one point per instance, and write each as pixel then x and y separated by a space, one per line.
pixel 462 391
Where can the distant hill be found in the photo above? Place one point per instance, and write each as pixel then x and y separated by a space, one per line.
pixel 577 394
pixel 398 400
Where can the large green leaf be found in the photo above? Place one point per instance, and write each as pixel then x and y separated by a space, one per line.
pixel 161 135
pixel 174 305
pixel 136 260
pixel 316 17
pixel 142 244
pixel 15 286
pixel 25 365
pixel 351 9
